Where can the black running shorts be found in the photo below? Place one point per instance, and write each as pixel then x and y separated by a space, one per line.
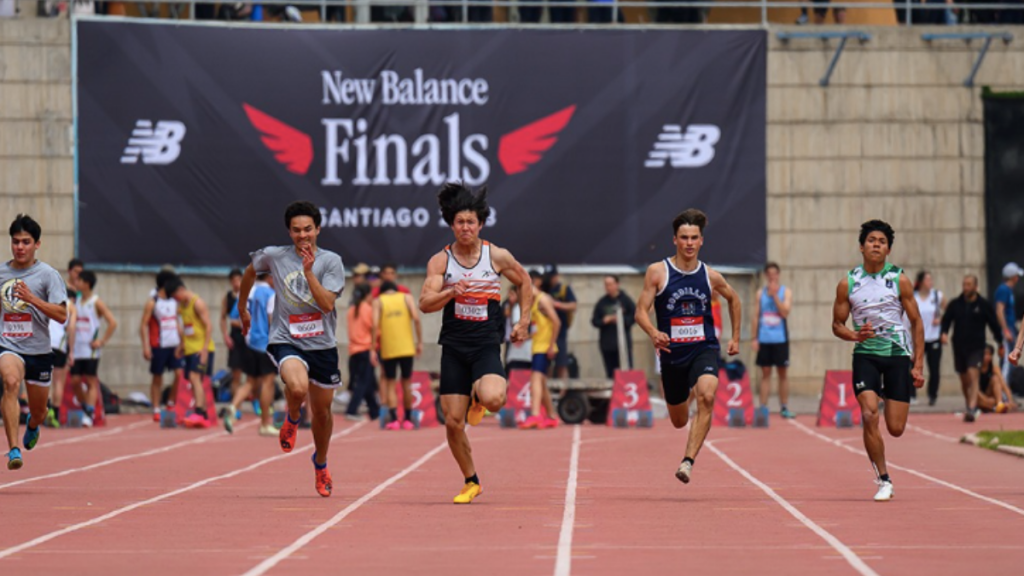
pixel 886 376
pixel 462 367
pixel 678 379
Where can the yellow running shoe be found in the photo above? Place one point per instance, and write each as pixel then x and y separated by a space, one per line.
pixel 476 412
pixel 469 491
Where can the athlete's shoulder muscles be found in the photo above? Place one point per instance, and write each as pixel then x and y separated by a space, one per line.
pixel 435 272
pixel 505 263
pixel 653 280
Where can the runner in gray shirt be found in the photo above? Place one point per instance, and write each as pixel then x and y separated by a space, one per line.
pixel 302 343
pixel 32 293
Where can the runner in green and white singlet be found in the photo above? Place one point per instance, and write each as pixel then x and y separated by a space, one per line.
pixel 886 357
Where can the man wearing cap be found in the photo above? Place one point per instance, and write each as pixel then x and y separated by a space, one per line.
pixel 565 307
pixel 1006 312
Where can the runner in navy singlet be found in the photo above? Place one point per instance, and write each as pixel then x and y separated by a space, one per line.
pixel 681 289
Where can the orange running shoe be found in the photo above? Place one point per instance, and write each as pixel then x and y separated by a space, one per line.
pixel 288 434
pixel 324 485
pixel 476 412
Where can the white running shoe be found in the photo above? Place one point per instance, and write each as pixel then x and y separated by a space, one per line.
pixel 86 421
pixel 884 493
pixel 684 471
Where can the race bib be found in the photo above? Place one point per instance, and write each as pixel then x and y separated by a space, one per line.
pixel 17 326
pixel 170 325
pixel 84 326
pixel 687 329
pixel 472 309
pixel 771 319
pixel 306 325
pixel 190 330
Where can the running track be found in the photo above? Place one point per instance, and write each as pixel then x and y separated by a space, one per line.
pixel 793 499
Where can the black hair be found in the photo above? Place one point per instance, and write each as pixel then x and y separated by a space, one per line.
pixel 261 276
pixel 613 277
pixel 163 277
pixel 456 197
pixel 690 217
pixel 920 279
pixel 991 349
pixel 25 223
pixel 536 274
pixel 301 208
pixel 391 265
pixel 75 263
pixel 89 277
pixel 234 272
pixel 387 286
pixel 359 293
pixel 172 285
pixel 771 265
pixel 877 226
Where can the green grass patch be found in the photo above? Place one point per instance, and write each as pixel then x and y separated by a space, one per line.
pixel 1002 438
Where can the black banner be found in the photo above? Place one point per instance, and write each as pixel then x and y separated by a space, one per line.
pixel 1004 182
pixel 193 139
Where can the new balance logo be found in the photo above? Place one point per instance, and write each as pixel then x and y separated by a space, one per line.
pixel 156 145
pixel 691 149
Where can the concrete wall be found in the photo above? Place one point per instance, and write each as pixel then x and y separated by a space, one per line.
pixel 895 136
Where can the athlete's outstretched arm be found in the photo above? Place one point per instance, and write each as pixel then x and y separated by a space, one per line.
pixel 248 279
pixel 841 313
pixel 434 296
pixel 718 284
pixel 916 328
pixel 652 282
pixel 506 264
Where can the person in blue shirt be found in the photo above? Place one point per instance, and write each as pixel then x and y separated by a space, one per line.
pixel 771 314
pixel 258 367
pixel 1006 312
pixel 680 289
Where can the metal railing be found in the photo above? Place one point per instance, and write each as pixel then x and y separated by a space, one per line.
pixel 564 12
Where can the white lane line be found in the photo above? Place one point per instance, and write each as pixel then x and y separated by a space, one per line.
pixel 69 471
pixel 927 432
pixel 855 561
pixel 563 561
pixel 308 537
pixel 88 436
pixel 115 513
pixel 911 471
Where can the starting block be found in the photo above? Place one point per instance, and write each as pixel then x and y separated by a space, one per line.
pixel 75 418
pixel 844 419
pixel 838 406
pixel 622 418
pixel 761 417
pixel 168 418
pixel 630 404
pixel 517 400
pixel 737 418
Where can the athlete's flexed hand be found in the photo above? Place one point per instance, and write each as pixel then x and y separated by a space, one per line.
pixel 918 374
pixel 459 288
pixel 308 257
pixel 521 331
pixel 734 346
pixel 866 332
pixel 660 341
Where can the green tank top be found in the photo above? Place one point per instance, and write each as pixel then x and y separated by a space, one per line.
pixel 875 298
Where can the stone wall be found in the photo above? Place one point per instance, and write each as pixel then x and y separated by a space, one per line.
pixel 895 136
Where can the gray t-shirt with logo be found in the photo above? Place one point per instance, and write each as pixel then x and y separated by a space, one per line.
pixel 25 329
pixel 297 320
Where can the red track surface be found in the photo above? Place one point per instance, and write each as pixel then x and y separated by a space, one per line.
pixel 208 503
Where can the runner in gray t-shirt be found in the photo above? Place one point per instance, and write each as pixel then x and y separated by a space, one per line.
pixel 308 281
pixel 31 293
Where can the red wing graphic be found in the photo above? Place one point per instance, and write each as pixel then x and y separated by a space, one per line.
pixel 522 148
pixel 291 147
